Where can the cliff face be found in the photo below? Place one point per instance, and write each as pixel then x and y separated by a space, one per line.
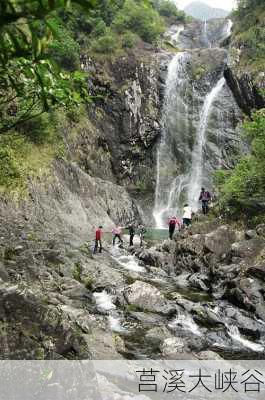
pixel 246 91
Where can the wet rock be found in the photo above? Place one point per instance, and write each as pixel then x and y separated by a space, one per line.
pixel 147 297
pixel 260 229
pixel 219 241
pixel 248 248
pixel 250 234
pixel 157 335
pixel 173 347
pixel 208 355
pixel 148 318
pixel 245 91
pixel 193 244
pixel 199 281
pixel 3 273
pixel 257 270
pixel 152 257
pixel 206 317
pixel 102 345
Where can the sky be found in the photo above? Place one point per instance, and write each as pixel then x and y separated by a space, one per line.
pixel 225 4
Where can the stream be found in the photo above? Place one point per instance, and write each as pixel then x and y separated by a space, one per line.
pixel 135 326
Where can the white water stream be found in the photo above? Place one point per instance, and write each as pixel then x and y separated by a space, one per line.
pixel 196 171
pixel 169 189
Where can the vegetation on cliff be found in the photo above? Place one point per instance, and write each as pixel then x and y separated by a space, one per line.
pixel 249 34
pixel 242 191
pixel 41 81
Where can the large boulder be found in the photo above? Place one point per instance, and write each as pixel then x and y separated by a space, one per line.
pixel 146 297
pixel 173 348
pixel 248 248
pixel 257 270
pixel 219 241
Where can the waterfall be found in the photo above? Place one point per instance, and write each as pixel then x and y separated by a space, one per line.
pixel 205 35
pixel 174 121
pixel 228 29
pixel 234 333
pixel 175 37
pixel 196 172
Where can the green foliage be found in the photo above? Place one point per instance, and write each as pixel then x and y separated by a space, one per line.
pixel 64 49
pixel 105 44
pixel 249 33
pixel 244 188
pixel 141 18
pixel 77 272
pixel 168 9
pixel 100 28
pixel 9 168
pixel 129 40
pixel 38 129
pixel 30 80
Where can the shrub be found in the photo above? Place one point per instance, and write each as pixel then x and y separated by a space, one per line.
pixel 129 40
pixel 168 9
pixel 244 187
pixel 141 18
pixel 38 129
pixel 100 28
pixel 64 49
pixel 105 44
pixel 9 168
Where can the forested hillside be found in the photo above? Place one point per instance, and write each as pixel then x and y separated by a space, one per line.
pixel 43 89
pixel 243 190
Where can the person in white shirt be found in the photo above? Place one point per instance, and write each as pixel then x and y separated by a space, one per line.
pixel 187 216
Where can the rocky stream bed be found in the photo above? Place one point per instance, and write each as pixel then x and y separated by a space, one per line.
pixel 198 296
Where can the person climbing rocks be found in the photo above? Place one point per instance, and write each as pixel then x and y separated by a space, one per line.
pixel 187 216
pixel 117 231
pixel 98 240
pixel 172 222
pixel 131 233
pixel 205 198
pixel 142 231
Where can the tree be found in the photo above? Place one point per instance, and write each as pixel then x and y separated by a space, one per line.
pixel 30 80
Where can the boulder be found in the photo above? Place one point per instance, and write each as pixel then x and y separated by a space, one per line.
pixel 219 241
pixel 173 347
pixel 152 257
pixel 248 248
pixel 157 335
pixel 250 234
pixel 199 281
pixel 260 229
pixel 147 297
pixel 257 270
pixel 208 355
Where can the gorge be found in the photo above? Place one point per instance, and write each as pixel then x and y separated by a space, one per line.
pixel 163 119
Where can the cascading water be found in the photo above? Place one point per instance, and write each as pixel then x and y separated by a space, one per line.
pixel 205 35
pixel 196 179
pixel 170 189
pixel 175 121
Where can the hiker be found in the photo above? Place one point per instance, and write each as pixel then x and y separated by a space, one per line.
pixel 131 233
pixel 205 198
pixel 142 231
pixel 117 234
pixel 187 216
pixel 172 222
pixel 98 242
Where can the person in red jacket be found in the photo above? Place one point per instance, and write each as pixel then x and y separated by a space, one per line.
pixel 172 222
pixel 98 238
